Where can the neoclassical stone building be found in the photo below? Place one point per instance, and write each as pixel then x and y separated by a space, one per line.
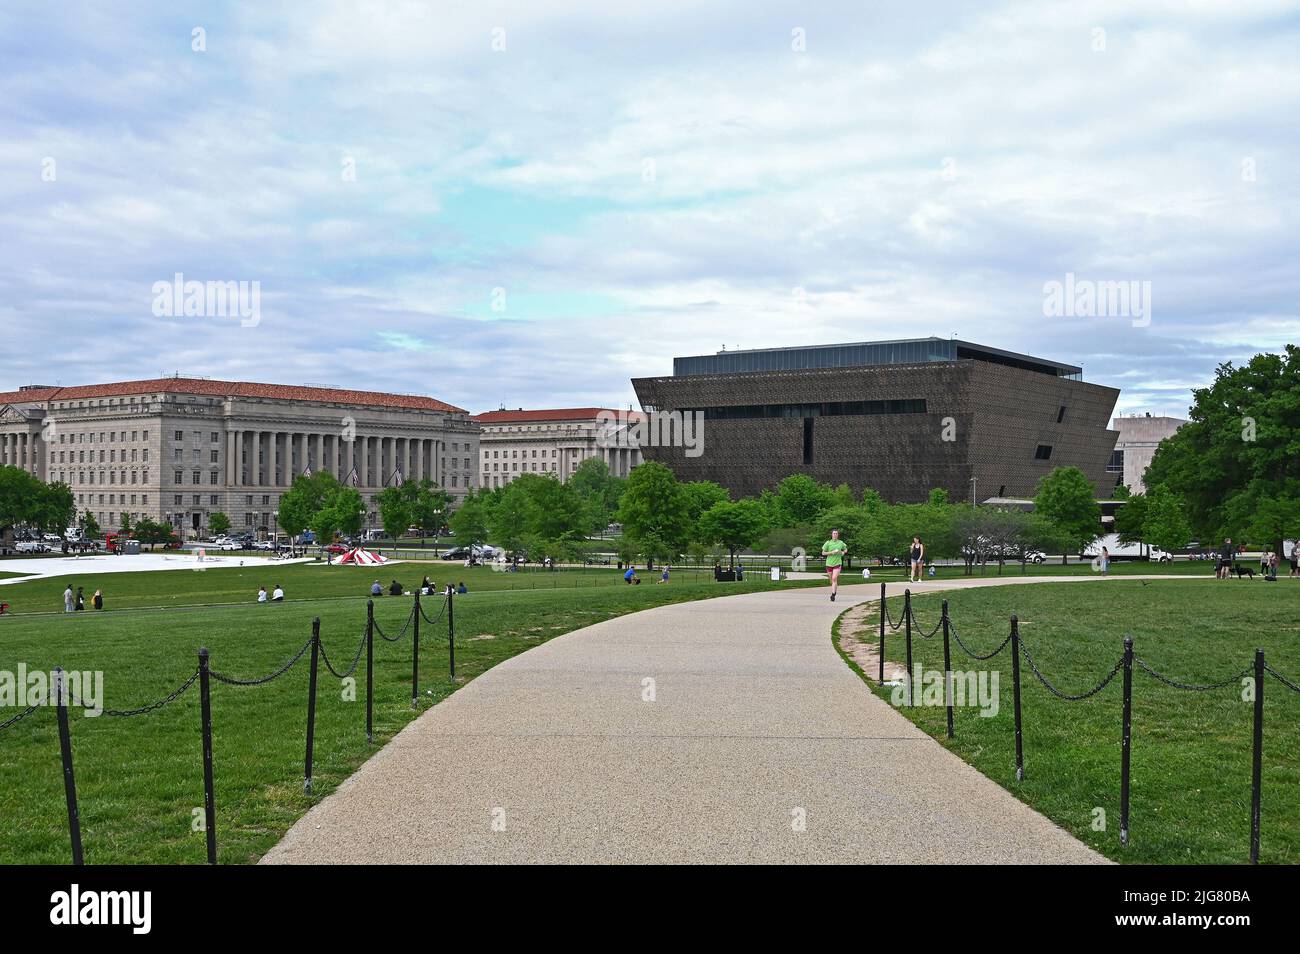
pixel 178 449
pixel 550 441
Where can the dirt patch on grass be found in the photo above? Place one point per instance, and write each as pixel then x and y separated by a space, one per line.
pixel 860 641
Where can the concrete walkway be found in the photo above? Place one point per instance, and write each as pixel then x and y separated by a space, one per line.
pixel 564 754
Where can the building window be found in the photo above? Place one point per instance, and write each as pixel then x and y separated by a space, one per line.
pixel 215 438
pixel 1060 414
pixel 180 435
pixel 1116 465
pixel 807 440
pixel 177 500
pixel 1044 452
pixel 180 477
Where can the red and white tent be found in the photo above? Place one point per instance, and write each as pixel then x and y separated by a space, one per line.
pixel 359 557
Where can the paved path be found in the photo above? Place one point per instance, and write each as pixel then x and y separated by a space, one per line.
pixel 755 716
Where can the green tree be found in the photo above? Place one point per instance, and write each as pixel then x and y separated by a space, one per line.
pixel 302 503
pixel 52 507
pixel 124 524
pixel 396 509
pixel 150 533
pixel 1166 525
pixel 508 513
pixel 90 526
pixel 1066 498
pixel 469 521
pixel 218 523
pixel 347 510
pixel 736 526
pixel 596 490
pixel 800 499
pixel 1239 453
pixel 1130 518
pixel 431 507
pixel 654 512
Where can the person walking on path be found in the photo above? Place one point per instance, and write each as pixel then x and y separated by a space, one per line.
pixel 68 599
pixel 918 559
pixel 97 600
pixel 81 600
pixel 834 550
pixel 1105 562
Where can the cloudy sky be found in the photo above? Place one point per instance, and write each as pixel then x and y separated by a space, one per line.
pixel 528 204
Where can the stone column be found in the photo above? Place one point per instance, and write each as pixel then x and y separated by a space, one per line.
pixel 232 441
pixel 363 465
pixel 272 457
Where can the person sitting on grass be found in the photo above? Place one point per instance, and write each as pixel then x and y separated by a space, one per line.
pixel 278 595
pixel 394 588
pixel 261 594
pixel 460 588
pixel 376 589
pixel 630 575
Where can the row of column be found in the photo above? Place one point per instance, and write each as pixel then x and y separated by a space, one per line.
pixel 19 450
pixel 274 458
pixel 619 460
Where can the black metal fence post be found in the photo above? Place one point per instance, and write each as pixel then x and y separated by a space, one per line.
pixel 1256 771
pixel 907 623
pixel 415 653
pixel 881 678
pixel 451 630
pixel 947 669
pixel 311 706
pixel 209 795
pixel 370 670
pixel 65 749
pixel 1015 686
pixel 1126 746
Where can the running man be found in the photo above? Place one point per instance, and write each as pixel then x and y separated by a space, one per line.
pixel 918 559
pixel 834 550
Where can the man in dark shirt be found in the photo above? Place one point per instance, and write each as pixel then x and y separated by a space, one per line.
pixel 1226 556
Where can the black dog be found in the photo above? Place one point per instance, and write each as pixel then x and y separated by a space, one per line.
pixel 1244 571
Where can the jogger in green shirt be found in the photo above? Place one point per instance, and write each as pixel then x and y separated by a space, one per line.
pixel 834 550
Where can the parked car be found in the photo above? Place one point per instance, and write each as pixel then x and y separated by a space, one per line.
pixel 337 548
pixel 31 546
pixel 52 538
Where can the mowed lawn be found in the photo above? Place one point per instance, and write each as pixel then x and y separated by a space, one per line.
pixel 140 780
pixel 1191 751
pixel 190 585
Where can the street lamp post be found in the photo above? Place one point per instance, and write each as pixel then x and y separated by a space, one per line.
pixel 972 491
pixel 275 532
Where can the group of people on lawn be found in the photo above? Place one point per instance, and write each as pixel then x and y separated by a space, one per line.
pixel 76 602
pixel 427 588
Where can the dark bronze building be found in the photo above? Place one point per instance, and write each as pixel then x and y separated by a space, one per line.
pixel 900 417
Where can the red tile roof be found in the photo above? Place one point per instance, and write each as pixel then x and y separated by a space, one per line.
pixel 278 392
pixel 550 414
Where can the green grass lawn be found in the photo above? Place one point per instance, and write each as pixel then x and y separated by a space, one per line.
pixel 301 581
pixel 1191 751
pixel 139 780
